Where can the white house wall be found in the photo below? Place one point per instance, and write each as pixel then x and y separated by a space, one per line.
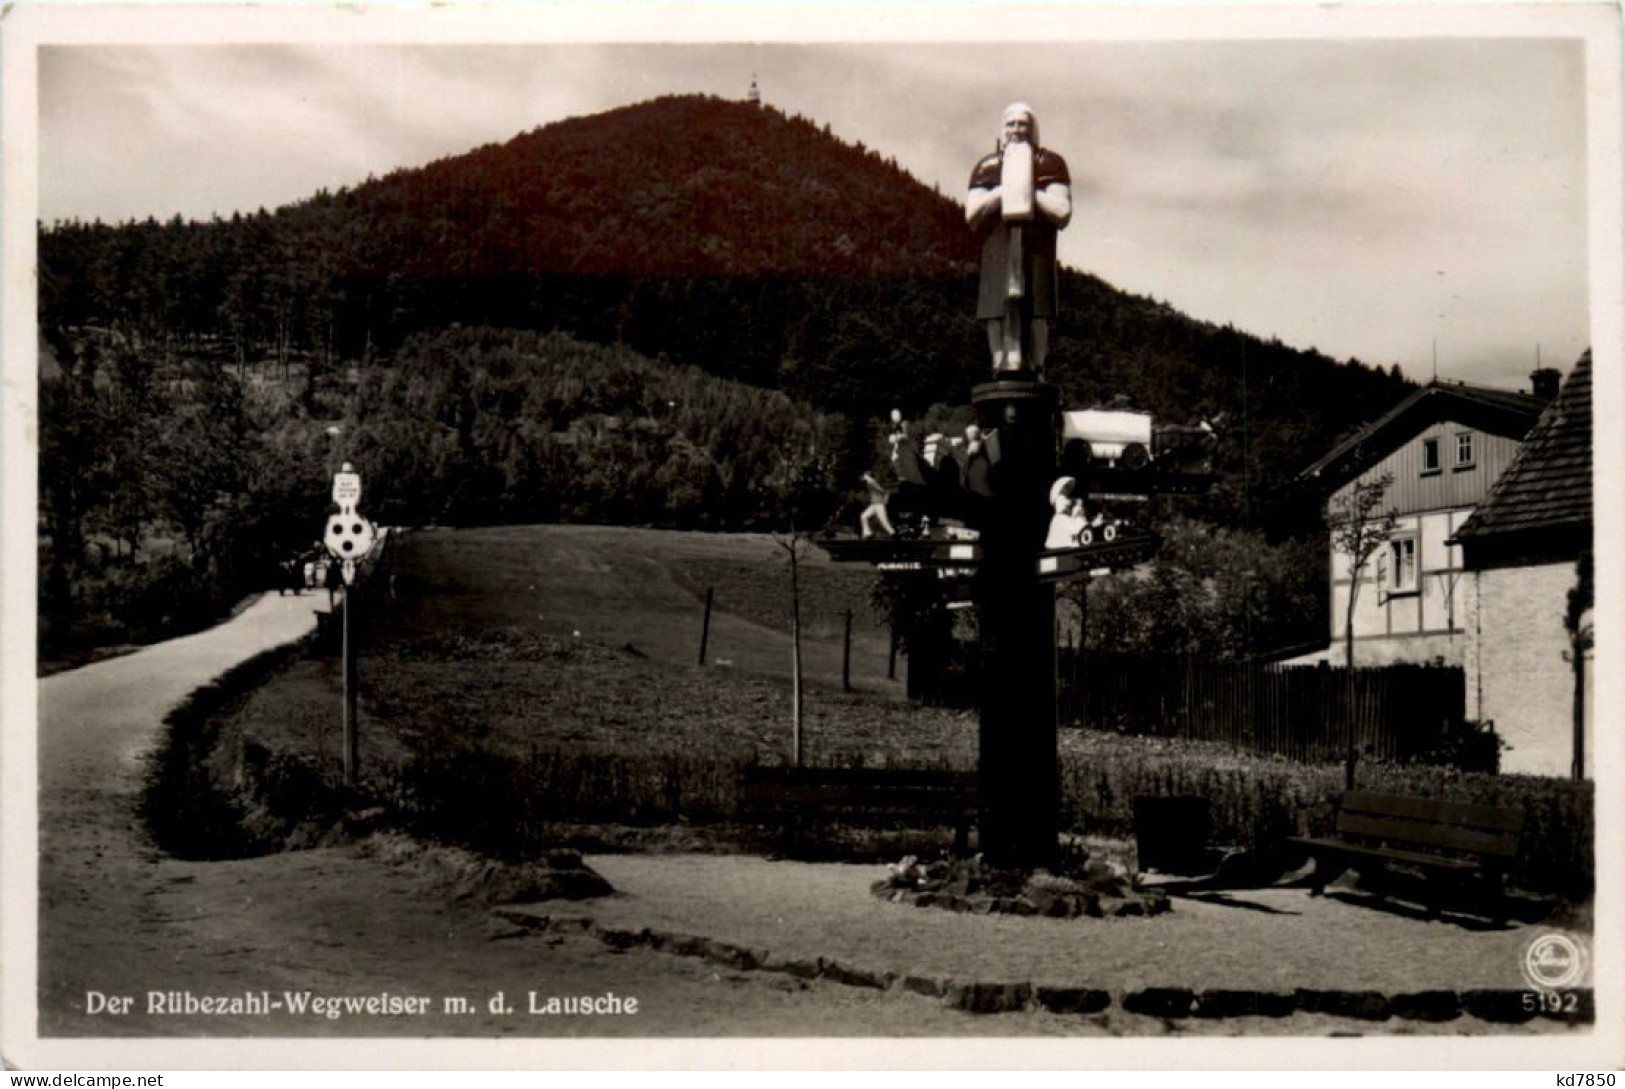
pixel 1430 616
pixel 1450 487
pixel 1425 625
pixel 1516 673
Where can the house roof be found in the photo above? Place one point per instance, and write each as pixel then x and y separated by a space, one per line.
pixel 1548 484
pixel 1496 411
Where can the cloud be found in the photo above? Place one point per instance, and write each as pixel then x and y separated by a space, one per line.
pixel 1303 189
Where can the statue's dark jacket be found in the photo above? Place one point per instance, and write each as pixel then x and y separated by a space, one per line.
pixel 1038 238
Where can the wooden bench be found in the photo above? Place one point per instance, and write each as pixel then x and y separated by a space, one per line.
pixel 1453 844
pixel 795 797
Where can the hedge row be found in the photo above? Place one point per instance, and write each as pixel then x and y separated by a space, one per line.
pixel 1258 806
pixel 501 804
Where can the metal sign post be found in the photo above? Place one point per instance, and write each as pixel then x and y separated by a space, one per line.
pixel 349 538
pixel 352 756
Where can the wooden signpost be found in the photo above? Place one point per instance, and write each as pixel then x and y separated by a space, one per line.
pixel 1000 507
pixel 1000 489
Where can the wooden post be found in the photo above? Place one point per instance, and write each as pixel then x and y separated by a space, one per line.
pixel 1351 754
pixel 891 657
pixel 1079 664
pixel 705 629
pixel 1577 769
pixel 1018 766
pixel 846 655
pixel 795 656
pixel 352 761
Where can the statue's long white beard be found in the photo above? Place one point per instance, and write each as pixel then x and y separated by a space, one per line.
pixel 1016 183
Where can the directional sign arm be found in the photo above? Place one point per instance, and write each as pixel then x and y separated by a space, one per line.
pixel 1059 564
pixel 901 555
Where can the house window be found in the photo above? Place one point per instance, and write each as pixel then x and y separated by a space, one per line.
pixel 1402 565
pixel 1430 456
pixel 1464 450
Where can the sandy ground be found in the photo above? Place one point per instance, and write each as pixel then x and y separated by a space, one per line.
pixel 117 918
pixel 1266 939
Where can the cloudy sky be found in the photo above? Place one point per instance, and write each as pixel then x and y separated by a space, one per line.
pixel 1367 197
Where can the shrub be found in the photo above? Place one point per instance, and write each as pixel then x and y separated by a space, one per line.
pixel 502 804
pixel 1466 745
pixel 1258 803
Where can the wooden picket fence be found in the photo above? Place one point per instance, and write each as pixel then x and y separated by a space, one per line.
pixel 1301 712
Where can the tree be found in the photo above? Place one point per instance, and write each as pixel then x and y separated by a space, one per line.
pixel 798 492
pixel 1216 593
pixel 1360 526
pixel 205 463
pixel 1582 635
pixel 134 420
pixel 794 543
pixel 912 604
pixel 71 485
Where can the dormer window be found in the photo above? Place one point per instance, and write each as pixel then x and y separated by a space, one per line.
pixel 1464 450
pixel 1430 456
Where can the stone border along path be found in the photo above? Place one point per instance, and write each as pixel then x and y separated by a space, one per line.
pixel 1496 1005
pixel 1270 952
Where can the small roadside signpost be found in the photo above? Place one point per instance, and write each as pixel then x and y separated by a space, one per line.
pixel 349 538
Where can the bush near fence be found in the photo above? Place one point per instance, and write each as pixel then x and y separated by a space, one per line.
pixel 1399 712
pixel 503 803
pixel 1259 803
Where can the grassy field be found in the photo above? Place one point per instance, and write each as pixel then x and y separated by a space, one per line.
pixel 643 589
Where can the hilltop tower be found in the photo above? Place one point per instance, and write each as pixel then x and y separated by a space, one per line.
pixel 755 95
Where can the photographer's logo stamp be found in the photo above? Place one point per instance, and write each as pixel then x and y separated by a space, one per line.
pixel 1553 962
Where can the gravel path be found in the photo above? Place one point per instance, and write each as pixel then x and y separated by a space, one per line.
pixel 102 718
pixel 98 872
pixel 1274 939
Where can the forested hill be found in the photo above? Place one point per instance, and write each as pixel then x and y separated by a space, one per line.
pixel 696 230
pixel 680 186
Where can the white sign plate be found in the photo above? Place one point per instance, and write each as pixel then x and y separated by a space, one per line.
pixel 346 489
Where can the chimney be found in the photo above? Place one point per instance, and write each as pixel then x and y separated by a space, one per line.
pixel 1544 382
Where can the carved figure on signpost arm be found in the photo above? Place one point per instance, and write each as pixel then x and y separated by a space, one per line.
pixel 1020 198
pixel 874 516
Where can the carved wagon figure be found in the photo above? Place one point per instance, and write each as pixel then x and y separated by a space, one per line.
pixel 1119 438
